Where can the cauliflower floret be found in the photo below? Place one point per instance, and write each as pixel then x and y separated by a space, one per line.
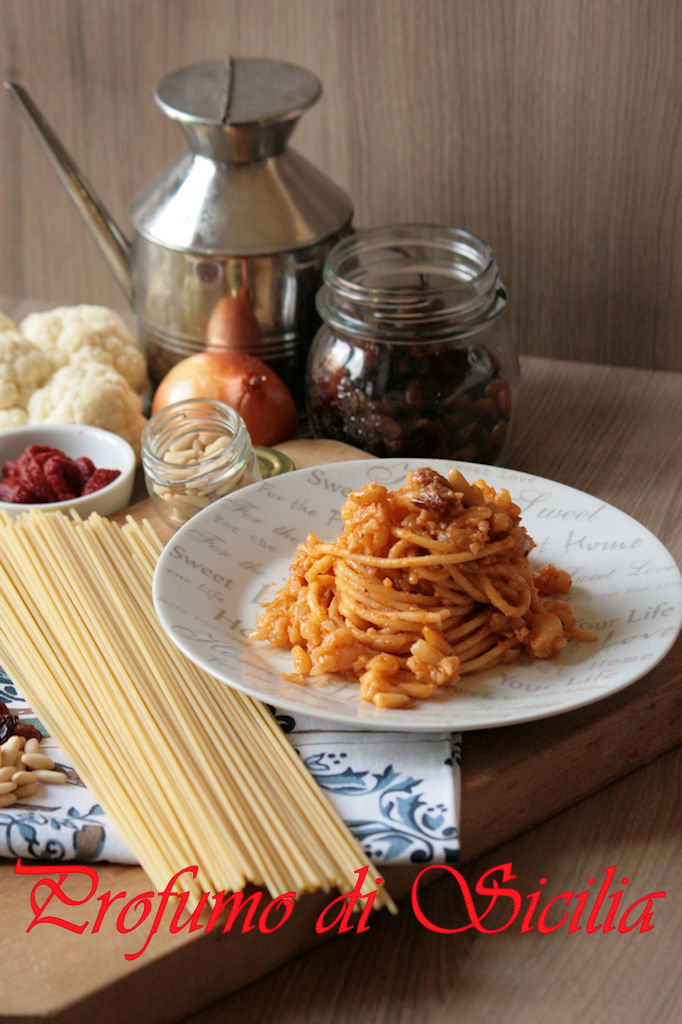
pixel 5 323
pixel 88 334
pixel 14 417
pixel 94 394
pixel 23 368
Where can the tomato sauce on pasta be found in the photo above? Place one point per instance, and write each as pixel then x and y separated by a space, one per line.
pixel 426 583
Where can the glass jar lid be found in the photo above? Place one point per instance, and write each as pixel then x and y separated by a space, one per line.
pixel 272 462
pixel 410 279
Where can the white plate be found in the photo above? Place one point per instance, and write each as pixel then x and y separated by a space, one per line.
pixel 217 570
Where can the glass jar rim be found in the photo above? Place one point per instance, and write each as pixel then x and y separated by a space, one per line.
pixel 451 282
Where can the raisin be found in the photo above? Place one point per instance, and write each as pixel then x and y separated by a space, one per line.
pixel 499 434
pixel 8 722
pixel 28 731
pixel 499 390
pixel 432 400
pixel 425 393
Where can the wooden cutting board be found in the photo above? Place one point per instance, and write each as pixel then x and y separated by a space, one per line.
pixel 512 779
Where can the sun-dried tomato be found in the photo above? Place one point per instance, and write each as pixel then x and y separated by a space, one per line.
pixel 31 473
pixel 99 479
pixel 62 475
pixel 14 491
pixel 86 467
pixel 44 474
pixel 10 468
pixel 32 450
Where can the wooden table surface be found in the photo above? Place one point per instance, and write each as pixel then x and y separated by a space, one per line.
pixel 561 801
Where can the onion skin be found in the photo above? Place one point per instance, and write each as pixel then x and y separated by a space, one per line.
pixel 246 383
pixel 233 324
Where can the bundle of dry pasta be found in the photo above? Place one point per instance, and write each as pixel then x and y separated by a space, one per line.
pixel 80 636
pixel 426 583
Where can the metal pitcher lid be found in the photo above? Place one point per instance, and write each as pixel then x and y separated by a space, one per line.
pixel 238 109
pixel 237 91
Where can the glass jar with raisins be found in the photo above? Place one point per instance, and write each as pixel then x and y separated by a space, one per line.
pixel 412 358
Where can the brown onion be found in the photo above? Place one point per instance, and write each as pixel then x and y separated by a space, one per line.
pixel 249 385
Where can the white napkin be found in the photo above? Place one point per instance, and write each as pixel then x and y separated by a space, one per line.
pixel 397 792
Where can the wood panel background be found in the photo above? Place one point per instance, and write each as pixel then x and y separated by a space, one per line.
pixel 548 127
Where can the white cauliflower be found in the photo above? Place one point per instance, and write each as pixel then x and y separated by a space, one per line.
pixel 14 417
pixel 73 364
pixel 23 368
pixel 94 394
pixel 88 334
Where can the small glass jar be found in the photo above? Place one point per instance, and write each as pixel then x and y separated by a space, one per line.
pixel 411 358
pixel 194 452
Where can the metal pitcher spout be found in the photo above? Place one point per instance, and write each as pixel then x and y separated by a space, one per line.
pixel 110 240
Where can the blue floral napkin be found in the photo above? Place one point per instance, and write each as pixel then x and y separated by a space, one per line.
pixel 397 792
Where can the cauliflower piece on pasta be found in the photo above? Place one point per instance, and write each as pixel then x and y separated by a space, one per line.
pixel 23 368
pixel 93 394
pixel 88 334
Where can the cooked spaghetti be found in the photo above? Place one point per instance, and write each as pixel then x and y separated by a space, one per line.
pixel 426 583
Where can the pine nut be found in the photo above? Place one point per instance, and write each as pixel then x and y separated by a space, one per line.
pixel 37 761
pixel 28 790
pixel 207 437
pixel 301 660
pixel 419 690
pixel 17 780
pixel 215 446
pixel 181 444
pixel 226 488
pixel 11 749
pixel 192 500
pixel 177 458
pixel 49 776
pixel 391 700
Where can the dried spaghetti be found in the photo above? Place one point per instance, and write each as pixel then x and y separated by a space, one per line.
pixel 79 634
pixel 426 583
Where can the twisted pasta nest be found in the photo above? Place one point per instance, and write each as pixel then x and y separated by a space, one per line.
pixel 426 583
